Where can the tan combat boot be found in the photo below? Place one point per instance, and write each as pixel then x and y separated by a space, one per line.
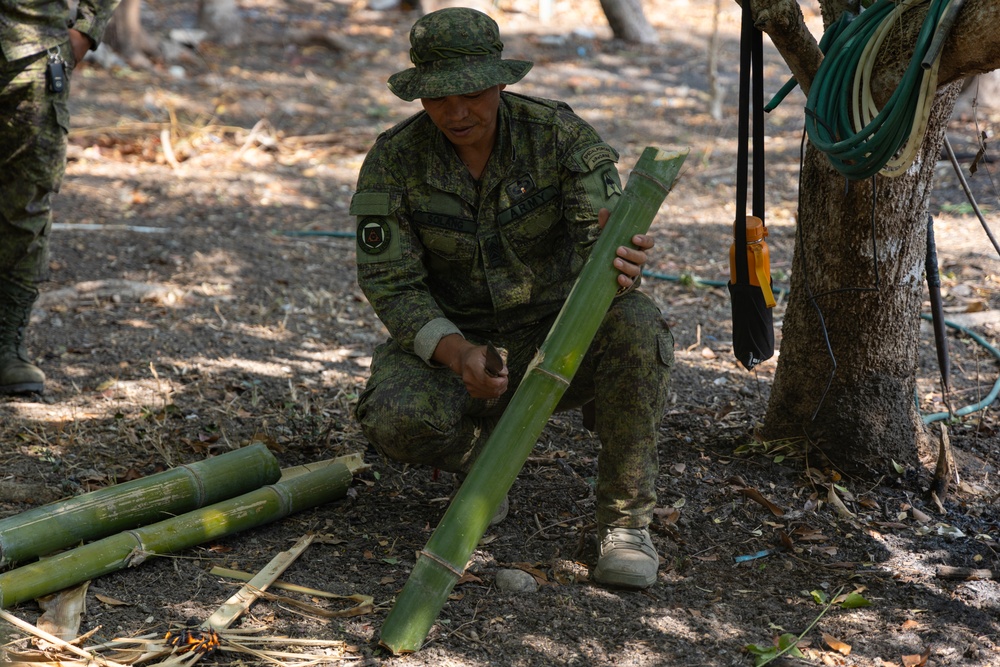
pixel 627 558
pixel 17 374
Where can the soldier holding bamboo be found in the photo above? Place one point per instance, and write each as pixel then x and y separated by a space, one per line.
pixel 475 218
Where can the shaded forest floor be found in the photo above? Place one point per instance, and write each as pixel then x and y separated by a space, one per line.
pixel 204 304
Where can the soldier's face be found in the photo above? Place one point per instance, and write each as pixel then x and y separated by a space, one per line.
pixel 467 120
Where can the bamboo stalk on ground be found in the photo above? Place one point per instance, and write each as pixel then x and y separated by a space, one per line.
pixel 132 547
pixel 110 510
pixel 442 561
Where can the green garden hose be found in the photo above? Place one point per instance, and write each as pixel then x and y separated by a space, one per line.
pixel 842 119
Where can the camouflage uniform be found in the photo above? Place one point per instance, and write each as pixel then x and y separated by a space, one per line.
pixel 34 122
pixel 494 259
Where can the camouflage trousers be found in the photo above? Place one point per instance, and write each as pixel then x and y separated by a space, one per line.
pixel 414 413
pixel 34 123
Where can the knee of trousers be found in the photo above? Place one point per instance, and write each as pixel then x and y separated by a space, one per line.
pixel 410 436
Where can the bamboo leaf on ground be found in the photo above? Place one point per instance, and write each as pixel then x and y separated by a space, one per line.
pixel 837 645
pixel 63 611
pixel 854 601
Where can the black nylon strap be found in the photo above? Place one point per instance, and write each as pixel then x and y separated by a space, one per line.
pixel 751 71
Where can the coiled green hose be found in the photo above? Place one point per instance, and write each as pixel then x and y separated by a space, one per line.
pixel 842 119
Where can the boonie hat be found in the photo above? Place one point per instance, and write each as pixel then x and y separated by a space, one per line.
pixel 455 51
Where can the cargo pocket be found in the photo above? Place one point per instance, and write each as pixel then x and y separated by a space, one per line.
pixel 665 348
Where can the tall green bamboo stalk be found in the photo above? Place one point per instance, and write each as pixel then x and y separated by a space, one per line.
pixel 442 561
pixel 132 547
pixel 110 510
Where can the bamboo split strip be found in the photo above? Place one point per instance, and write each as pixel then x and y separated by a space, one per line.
pixel 441 563
pixel 132 547
pixel 239 575
pixel 354 462
pixel 41 634
pixel 225 615
pixel 110 510
pixel 365 604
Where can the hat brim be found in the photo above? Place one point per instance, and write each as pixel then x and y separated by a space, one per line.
pixel 456 76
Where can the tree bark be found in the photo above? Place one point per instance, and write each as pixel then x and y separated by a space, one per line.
pixel 126 36
pixel 971 49
pixel 846 374
pixel 847 371
pixel 628 22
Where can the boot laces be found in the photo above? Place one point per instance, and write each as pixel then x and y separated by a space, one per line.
pixel 635 539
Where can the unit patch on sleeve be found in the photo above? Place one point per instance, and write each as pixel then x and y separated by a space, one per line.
pixel 611 186
pixel 602 187
pixel 378 239
pixel 374 236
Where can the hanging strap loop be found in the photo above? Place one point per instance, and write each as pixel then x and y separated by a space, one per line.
pixel 751 106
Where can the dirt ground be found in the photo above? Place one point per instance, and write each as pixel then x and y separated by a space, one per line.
pixel 203 298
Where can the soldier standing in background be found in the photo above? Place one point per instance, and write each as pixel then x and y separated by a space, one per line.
pixel 40 43
pixel 475 218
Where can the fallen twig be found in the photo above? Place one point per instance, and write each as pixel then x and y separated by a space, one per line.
pixel 168 149
pixel 966 573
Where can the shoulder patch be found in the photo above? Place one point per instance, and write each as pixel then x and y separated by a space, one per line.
pixel 374 236
pixel 370 203
pixel 611 183
pixel 588 158
pixel 378 238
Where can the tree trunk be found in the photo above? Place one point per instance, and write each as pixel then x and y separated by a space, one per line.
pixel 854 400
pixel 857 286
pixel 126 37
pixel 221 20
pixel 628 22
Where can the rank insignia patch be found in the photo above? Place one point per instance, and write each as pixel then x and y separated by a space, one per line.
pixel 374 236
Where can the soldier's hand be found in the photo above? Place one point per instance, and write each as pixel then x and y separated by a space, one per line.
pixel 628 260
pixel 468 361
pixel 480 382
pixel 80 44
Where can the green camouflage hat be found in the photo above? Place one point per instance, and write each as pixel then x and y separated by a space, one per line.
pixel 455 51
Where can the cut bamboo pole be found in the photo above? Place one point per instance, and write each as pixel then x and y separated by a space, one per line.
pixel 132 547
pixel 441 563
pixel 110 510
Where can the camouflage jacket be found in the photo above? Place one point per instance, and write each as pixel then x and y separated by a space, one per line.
pixel 439 252
pixel 28 27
